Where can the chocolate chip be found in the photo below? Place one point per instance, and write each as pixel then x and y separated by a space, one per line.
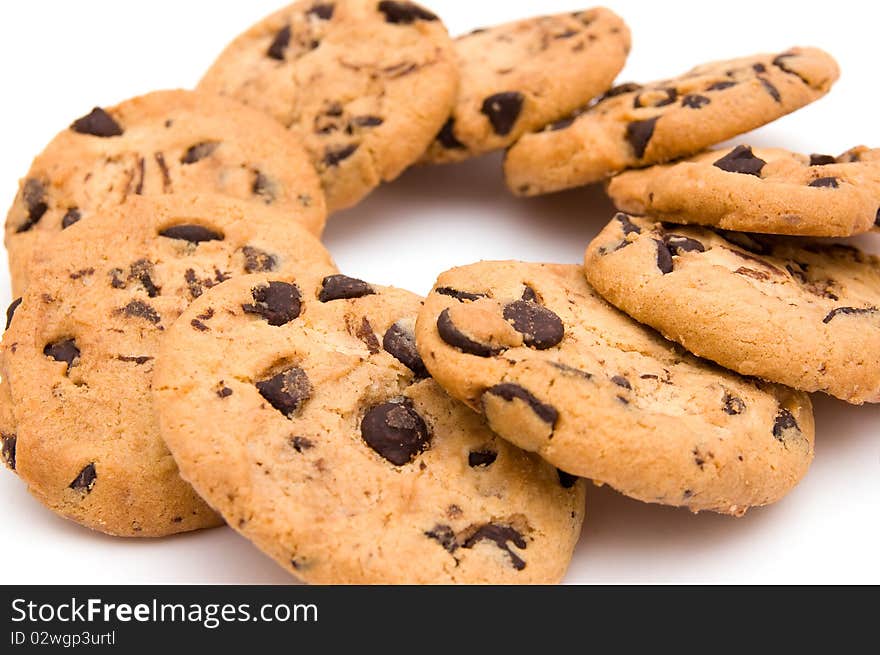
pixel 678 244
pixel 300 444
pixel 785 426
pixel 342 287
pixel 34 197
pixel 139 360
pixel 669 96
pixel 571 370
pixel 779 62
pixel 367 121
pixel 258 261
pixel 877 218
pixel 481 458
pixel 626 224
pixel 224 392
pixel 395 431
pixel 322 10
pixel 446 136
pixel 822 160
pixel 404 13
pixel 445 536
pixel 567 480
pixel 191 232
pixel 286 391
pixel 759 68
pixel 459 295
pixel 503 110
pixel 639 133
pixel 199 151
pixel 694 101
pixel 741 160
pixel 86 479
pixel 620 89
pixel 664 257
pixel 500 535
pixel 142 272
pixel 279 44
pixel 720 86
pixel 70 217
pixel 140 309
pixel 263 187
pixel 10 311
pixel 848 310
pixel 365 333
pixel 747 242
pixel 334 155
pixel 621 381
pixel 733 405
pixel 97 123
pixel 7 450
pixel 509 391
pixel 772 90
pixel 277 302
pixel 540 327
pixel 454 337
pixel 63 351
pixel 561 124
pixel 400 342
pixel 825 182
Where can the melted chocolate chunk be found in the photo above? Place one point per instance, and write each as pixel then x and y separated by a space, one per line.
pixel 785 426
pixel 400 342
pixel 825 183
pixel 720 86
pixel 199 151
pixel 142 272
pixel 301 444
pixel 678 244
pixel 367 121
pixel 733 405
pixel 567 480
pixel 7 450
pixel 500 535
pixel 70 217
pixel 140 309
pixel 503 110
pixel 10 311
pixel 481 458
pixel 322 10
pixel 365 333
pixel 457 339
pixel 669 96
pixel 747 242
pixel 848 310
pixel 279 44
pixel 619 90
pixel 258 261
pixel 459 295
pixel 540 327
pixel 509 391
pixel 286 391
pixel 445 536
pixel 191 232
pixel 63 351
pixel 664 257
pixel 395 431
pixel 277 302
pixel 404 13
pixel 741 160
pixel 626 224
pixel 639 133
pixel 529 294
pixel 263 187
pixel 821 160
pixel 769 88
pixel 86 479
pixel 446 136
pixel 97 123
pixel 342 287
pixel 621 381
pixel 333 156
pixel 34 197
pixel 779 62
pixel 694 101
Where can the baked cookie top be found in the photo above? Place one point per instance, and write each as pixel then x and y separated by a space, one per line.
pixel 765 190
pixel 303 414
pixel 638 125
pixel 797 312
pixel 520 76
pixel 558 371
pixel 161 143
pixel 81 348
pixel 365 84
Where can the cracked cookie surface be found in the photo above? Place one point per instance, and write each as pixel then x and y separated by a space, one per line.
pixel 365 85
pixel 637 125
pixel 798 312
pixel 319 438
pixel 81 348
pixel 557 370
pixel 161 143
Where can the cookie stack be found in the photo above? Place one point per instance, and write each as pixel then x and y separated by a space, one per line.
pixel 184 352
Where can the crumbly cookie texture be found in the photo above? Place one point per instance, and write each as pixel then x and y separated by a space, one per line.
pixel 520 76
pixel 635 125
pixel 558 371
pixel 764 190
pixel 366 85
pixel 81 347
pixel 304 415
pixel 797 312
pixel 161 143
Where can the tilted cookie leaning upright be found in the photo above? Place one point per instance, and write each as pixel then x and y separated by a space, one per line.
pixel 80 350
pixel 301 410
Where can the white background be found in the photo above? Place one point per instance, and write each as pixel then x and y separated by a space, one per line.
pixel 60 58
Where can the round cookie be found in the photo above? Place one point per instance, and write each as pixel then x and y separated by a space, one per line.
pixel 634 126
pixel 797 312
pixel 365 85
pixel 80 350
pixel 165 142
pixel 310 426
pixel 519 76
pixel 557 370
pixel 766 190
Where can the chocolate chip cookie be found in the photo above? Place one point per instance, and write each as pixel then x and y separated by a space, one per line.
pixel 365 84
pixel 520 76
pixel 797 312
pixel 558 371
pixel 303 413
pixel 638 125
pixel 162 143
pixel 81 348
pixel 766 190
